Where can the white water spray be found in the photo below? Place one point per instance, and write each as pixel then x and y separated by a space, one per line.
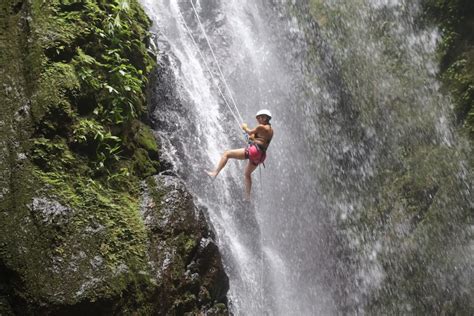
pixel 284 254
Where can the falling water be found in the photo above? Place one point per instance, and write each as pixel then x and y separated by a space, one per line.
pixel 347 81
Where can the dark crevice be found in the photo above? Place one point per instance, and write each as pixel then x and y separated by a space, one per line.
pixel 17 7
pixel 54 123
pixel 100 307
pixel 60 53
pixel 10 286
pixel 85 104
pixel 70 7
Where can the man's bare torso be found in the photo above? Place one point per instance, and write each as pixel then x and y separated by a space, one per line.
pixel 263 135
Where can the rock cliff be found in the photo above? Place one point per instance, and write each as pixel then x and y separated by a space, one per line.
pixel 88 223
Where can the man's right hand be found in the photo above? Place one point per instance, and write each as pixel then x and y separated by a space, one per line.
pixel 245 126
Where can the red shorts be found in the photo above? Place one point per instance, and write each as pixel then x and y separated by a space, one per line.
pixel 255 154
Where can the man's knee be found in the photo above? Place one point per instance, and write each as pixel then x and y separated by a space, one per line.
pixel 227 153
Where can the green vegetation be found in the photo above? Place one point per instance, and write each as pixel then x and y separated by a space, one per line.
pixel 455 19
pixel 412 216
pixel 71 228
pixel 419 220
pixel 75 160
pixel 190 275
pixel 90 92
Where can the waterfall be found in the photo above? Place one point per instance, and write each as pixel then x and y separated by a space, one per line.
pixel 348 83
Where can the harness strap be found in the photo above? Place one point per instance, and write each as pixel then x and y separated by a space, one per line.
pixel 263 153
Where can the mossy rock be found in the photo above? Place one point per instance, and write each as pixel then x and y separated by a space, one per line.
pixel 186 259
pixel 146 140
pixel 419 222
pixel 73 241
pixel 455 20
pixel 72 157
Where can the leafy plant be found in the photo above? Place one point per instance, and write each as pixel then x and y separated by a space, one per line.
pixel 456 53
pixel 102 146
pixel 47 153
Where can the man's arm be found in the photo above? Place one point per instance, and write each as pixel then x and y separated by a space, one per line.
pixel 252 131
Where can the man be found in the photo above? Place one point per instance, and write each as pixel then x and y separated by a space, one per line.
pixel 255 152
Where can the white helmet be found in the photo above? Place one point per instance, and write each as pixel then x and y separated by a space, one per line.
pixel 264 112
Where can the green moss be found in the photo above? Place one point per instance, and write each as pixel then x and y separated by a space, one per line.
pixel 185 305
pixel 142 163
pixel 456 50
pixel 73 235
pixel 72 228
pixel 96 223
pixel 95 65
pixel 185 243
pixel 414 224
pixel 55 82
pixel 421 235
pixel 146 139
pixel 460 78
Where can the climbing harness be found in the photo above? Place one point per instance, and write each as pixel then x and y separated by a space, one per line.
pixel 235 112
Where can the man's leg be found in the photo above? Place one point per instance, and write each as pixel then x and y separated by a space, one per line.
pixel 235 154
pixel 248 178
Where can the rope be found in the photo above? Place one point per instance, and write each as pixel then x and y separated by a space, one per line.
pixel 215 59
pixel 234 103
pixel 208 69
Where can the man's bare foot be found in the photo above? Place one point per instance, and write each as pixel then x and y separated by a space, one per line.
pixel 211 174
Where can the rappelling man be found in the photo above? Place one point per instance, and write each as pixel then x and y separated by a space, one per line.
pixel 255 152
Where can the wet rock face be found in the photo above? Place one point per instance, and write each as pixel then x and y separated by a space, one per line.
pixel 185 259
pixel 50 212
pixel 73 241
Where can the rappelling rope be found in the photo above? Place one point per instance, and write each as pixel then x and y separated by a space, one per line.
pixel 225 100
pixel 215 59
pixel 209 70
